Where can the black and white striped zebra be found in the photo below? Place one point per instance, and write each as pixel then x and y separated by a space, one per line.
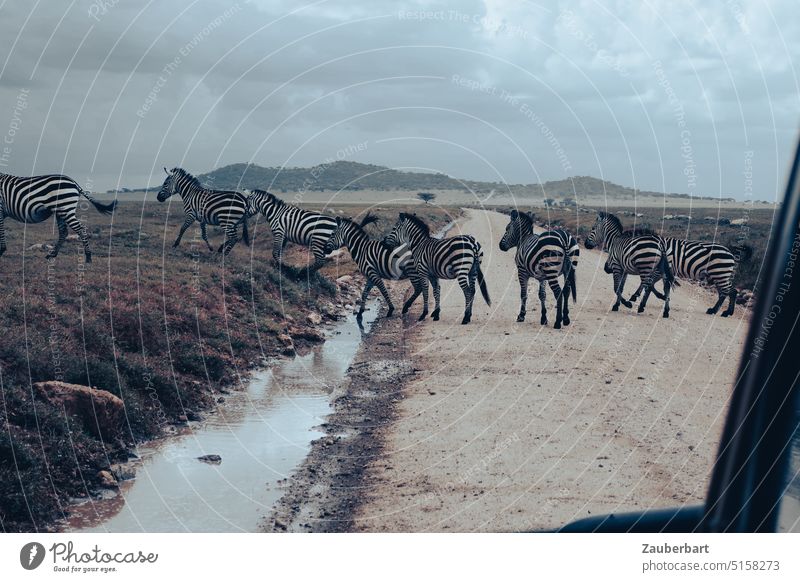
pixel 704 261
pixel 458 257
pixel 292 224
pixel 375 259
pixel 216 207
pixel 35 199
pixel 545 257
pixel 631 253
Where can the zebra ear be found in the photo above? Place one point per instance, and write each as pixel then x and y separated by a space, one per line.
pixel 338 221
pixel 514 214
pixel 165 169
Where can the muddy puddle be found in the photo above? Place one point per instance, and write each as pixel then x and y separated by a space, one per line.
pixel 262 434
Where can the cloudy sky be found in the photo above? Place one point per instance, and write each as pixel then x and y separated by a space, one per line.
pixel 667 96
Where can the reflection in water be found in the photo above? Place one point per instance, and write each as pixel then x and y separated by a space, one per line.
pixel 262 435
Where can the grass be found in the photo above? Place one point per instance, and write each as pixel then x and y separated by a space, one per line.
pixel 162 328
pixel 755 233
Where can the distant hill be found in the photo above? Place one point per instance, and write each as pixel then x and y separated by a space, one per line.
pixel 339 175
pixel 345 175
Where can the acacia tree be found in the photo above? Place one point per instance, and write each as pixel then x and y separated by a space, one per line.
pixel 426 197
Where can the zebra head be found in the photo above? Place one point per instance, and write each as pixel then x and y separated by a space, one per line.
pixel 169 187
pixel 264 202
pixel 337 238
pixel 605 226
pixel 519 225
pixel 408 230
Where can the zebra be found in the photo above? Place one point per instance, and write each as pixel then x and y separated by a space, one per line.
pixel 375 259
pixel 216 207
pixel 292 224
pixel 35 199
pixel 704 261
pixel 457 257
pixel 640 253
pixel 545 257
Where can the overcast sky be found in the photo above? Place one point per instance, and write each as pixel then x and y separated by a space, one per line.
pixel 670 95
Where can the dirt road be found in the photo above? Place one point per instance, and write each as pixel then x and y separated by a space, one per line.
pixel 514 426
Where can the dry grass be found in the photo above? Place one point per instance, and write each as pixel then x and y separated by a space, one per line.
pixel 162 328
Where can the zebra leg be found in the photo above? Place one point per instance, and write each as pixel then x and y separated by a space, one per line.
pixel 277 247
pixel 2 230
pixel 382 288
pixel 543 302
pixel 417 286
pixel 557 293
pixel 648 288
pixel 318 251
pixel 720 300
pixel 204 234
pixel 635 297
pixel 424 291
pixel 523 294
pixel 364 294
pixel 231 238
pixel 437 294
pixel 75 224
pixel 62 237
pixel 186 224
pixel 619 287
pixel 469 296
pixel 732 294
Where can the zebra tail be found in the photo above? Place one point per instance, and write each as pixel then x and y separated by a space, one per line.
pixel 572 285
pixel 245 233
pixel 482 283
pixel 101 208
pixel 665 268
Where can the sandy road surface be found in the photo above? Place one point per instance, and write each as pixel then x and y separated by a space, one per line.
pixel 515 426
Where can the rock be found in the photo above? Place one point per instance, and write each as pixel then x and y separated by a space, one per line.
pixel 288 351
pixel 314 318
pixel 40 247
pixel 285 339
pixel 107 479
pixel 193 416
pixel 308 334
pixel 344 280
pixel 99 412
pixel 123 471
pixel 210 459
pixel 72 237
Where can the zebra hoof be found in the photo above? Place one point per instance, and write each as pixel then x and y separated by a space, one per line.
pixel 543 321
pixel 615 308
pixel 88 259
pixel 435 315
pixel 521 318
pixel 423 316
pixel 50 255
pixel 665 315
pixel 726 314
pixel 627 304
pixel 465 321
pixel 557 326
pixel 711 311
pixel 640 309
pixel 567 321
pixel 389 313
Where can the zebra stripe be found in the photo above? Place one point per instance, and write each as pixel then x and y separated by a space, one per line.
pixel 631 253
pixel 703 261
pixel 35 199
pixel 292 224
pixel 216 207
pixel 457 257
pixel 375 259
pixel 545 257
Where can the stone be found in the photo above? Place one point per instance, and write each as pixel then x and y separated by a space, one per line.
pixel 210 459
pixel 314 318
pixel 101 413
pixel 107 480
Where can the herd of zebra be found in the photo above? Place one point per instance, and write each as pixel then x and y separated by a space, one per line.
pixel 409 251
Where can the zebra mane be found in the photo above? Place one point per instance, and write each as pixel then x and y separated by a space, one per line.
pixel 526 221
pixel 414 219
pixel 612 218
pixel 181 173
pixel 359 228
pixel 638 231
pixel 369 218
